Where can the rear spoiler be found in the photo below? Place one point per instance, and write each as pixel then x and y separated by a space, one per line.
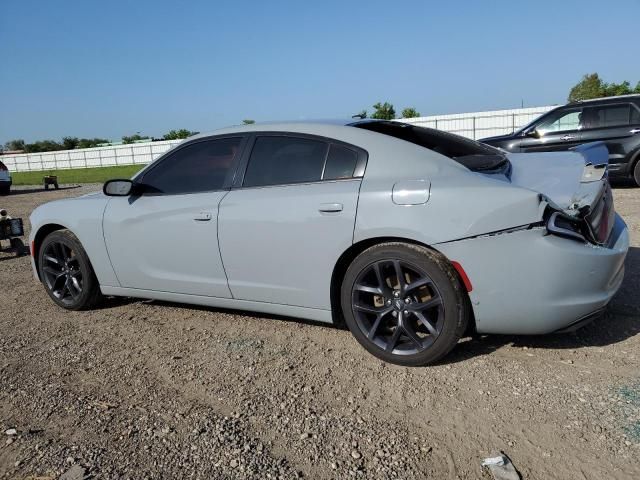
pixel 596 161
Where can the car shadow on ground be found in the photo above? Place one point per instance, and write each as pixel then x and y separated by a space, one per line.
pixel 23 191
pixel 623 183
pixel 620 322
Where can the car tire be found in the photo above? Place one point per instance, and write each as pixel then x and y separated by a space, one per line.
pixel 66 272
pixel 412 318
pixel 636 173
pixel 5 190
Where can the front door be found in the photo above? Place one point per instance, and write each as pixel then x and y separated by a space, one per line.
pixel 283 229
pixel 555 132
pixel 165 239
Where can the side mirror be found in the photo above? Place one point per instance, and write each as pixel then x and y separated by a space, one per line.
pixel 532 134
pixel 118 188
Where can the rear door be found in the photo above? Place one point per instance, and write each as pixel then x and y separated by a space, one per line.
pixel 289 218
pixel 557 131
pixel 616 124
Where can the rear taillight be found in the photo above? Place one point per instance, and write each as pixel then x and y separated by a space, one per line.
pixel 3 167
pixel 601 216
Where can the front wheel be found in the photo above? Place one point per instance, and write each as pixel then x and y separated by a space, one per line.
pixel 404 303
pixel 66 272
pixel 636 173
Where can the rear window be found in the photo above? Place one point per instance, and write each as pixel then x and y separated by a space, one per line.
pixel 473 155
pixel 604 116
pixel 285 160
pixel 341 162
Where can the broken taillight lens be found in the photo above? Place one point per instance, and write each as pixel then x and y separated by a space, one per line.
pixel 601 216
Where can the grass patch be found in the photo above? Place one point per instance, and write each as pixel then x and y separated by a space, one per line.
pixel 77 175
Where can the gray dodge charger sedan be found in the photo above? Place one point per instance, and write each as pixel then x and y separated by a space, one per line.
pixel 410 236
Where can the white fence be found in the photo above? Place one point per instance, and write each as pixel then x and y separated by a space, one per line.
pixel 130 154
pixel 479 125
pixel 472 125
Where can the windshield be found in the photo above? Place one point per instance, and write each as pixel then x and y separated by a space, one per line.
pixel 474 155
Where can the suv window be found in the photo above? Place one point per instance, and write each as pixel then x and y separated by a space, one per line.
pixel 635 116
pixel 606 116
pixel 199 167
pixel 282 160
pixel 560 121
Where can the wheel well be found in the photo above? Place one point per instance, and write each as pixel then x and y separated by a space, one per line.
pixel 42 233
pixel 351 253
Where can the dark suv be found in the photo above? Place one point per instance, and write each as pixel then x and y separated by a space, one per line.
pixel 614 120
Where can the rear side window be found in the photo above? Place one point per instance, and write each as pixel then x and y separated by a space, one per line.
pixel 199 167
pixel 606 116
pixel 283 160
pixel 341 163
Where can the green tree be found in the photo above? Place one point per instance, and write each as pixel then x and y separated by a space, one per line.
pixel 178 134
pixel 384 111
pixel 91 142
pixel 592 86
pixel 613 89
pixel 43 146
pixel 248 121
pixel 410 112
pixel 69 143
pixel 17 144
pixel 134 138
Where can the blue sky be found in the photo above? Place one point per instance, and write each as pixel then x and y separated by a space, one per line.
pixel 111 68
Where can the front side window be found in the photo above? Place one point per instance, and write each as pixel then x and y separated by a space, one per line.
pixel 199 167
pixel 561 121
pixel 283 160
pixel 606 116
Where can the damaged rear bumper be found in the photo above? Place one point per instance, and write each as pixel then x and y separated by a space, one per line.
pixel 529 282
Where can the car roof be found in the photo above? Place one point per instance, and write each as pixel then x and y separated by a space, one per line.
pixel 299 126
pixel 612 99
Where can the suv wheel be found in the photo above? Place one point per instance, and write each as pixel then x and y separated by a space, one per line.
pixel 636 172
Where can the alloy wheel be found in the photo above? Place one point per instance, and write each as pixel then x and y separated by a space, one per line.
pixel 62 273
pixel 397 306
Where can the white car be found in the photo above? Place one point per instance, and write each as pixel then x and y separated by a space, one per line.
pixel 5 179
pixel 408 235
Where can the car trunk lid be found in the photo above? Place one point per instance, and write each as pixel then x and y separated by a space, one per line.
pixel 573 182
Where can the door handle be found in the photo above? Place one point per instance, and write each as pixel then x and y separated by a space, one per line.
pixel 203 217
pixel 567 137
pixel 330 207
pixel 634 131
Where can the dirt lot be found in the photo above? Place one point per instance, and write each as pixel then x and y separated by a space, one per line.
pixel 144 389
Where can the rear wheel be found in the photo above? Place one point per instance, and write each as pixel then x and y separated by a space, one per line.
pixel 4 190
pixel 404 303
pixel 66 272
pixel 636 173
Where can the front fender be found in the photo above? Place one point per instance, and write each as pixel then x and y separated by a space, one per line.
pixel 83 217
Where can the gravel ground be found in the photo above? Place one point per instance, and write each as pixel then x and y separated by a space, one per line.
pixel 141 389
